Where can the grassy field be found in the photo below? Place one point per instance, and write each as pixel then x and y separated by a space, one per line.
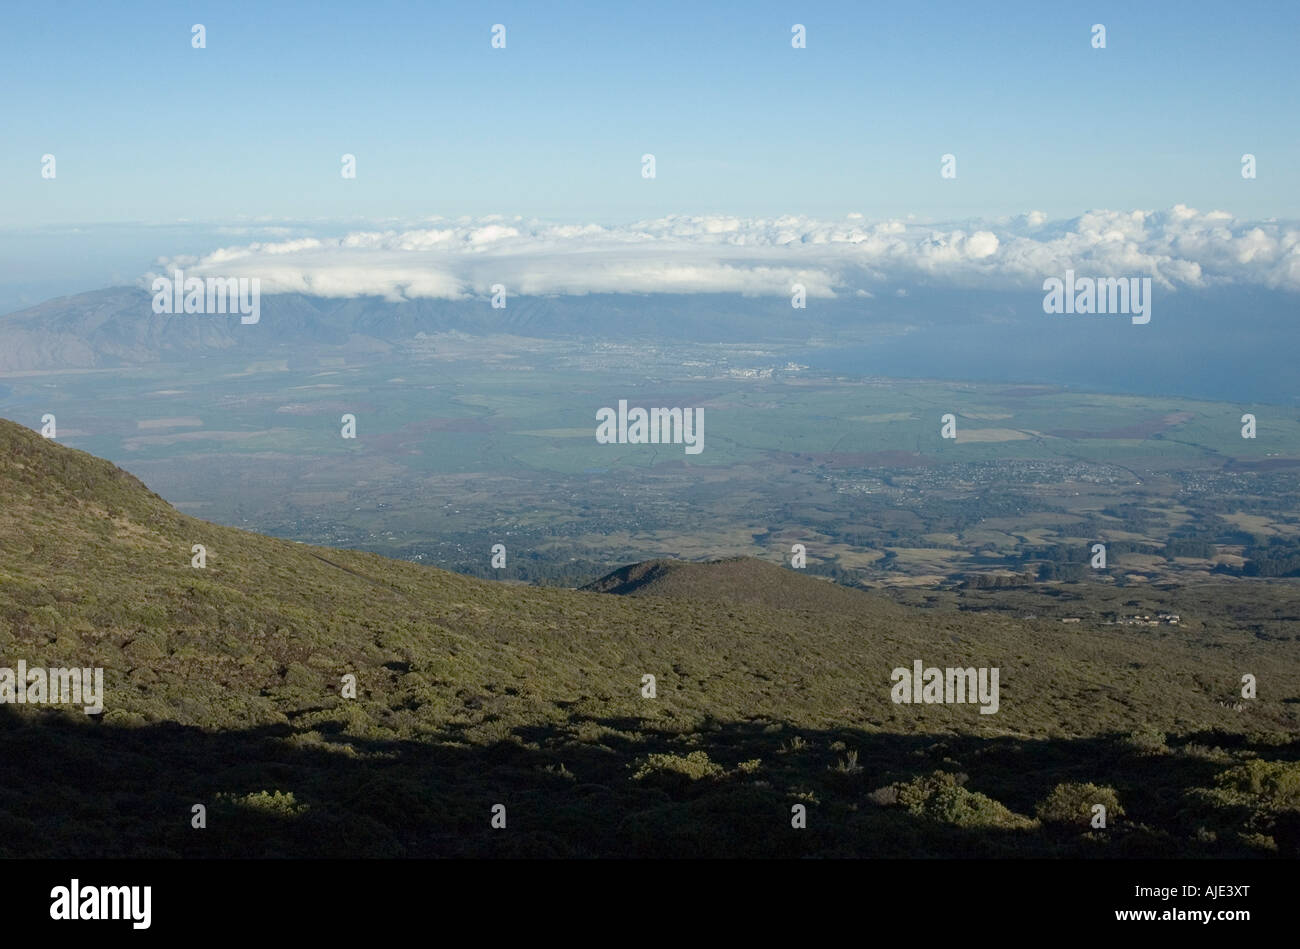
pixel 535 419
pixel 854 469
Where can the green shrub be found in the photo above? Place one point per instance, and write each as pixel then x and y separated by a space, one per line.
pixel 940 797
pixel 1071 803
pixel 1147 741
pixel 47 619
pixel 267 802
pixel 1273 784
pixel 693 767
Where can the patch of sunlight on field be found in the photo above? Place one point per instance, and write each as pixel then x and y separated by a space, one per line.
pixel 967 435
pixel 1257 524
pixel 508 403
pixel 1195 562
pixel 1038 537
pixel 1143 561
pixel 137 442
pixel 996 537
pixel 850 558
pixel 731 543
pixel 155 423
pixel 926 580
pixel 928 557
pixel 884 417
pixel 941 538
pixel 561 433
pixel 1113 536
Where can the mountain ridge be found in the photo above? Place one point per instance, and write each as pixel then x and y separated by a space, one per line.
pixel 741 579
pixel 117 326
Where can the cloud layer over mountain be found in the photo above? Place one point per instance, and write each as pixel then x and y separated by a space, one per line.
pixel 1179 248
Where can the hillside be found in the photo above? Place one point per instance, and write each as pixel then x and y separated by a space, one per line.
pixel 740 580
pixel 223 688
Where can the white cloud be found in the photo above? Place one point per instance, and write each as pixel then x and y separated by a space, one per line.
pixel 1181 247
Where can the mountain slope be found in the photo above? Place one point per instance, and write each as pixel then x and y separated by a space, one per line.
pixel 117 326
pixel 93 565
pixel 741 580
pixel 224 682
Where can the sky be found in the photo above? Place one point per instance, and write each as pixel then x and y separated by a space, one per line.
pixel 162 149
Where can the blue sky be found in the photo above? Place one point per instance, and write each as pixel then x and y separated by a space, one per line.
pixel 148 132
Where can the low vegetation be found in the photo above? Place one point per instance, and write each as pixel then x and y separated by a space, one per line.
pixel 225 687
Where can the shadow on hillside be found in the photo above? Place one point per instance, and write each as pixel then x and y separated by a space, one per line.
pixel 588 788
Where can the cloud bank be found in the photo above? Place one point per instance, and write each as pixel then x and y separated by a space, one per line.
pixel 463 259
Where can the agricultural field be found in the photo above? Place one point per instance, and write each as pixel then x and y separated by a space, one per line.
pixel 855 469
